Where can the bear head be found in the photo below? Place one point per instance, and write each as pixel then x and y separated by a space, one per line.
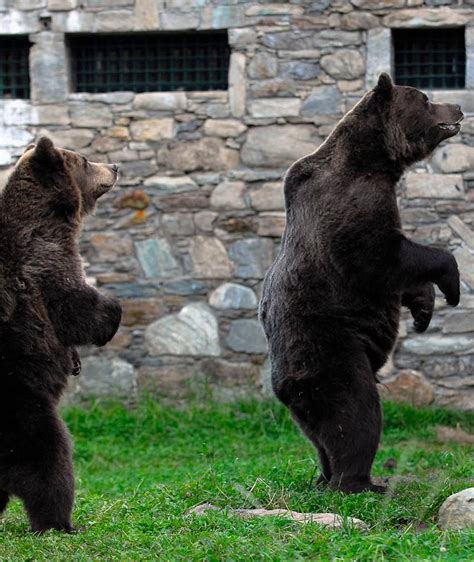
pixel 58 181
pixel 401 123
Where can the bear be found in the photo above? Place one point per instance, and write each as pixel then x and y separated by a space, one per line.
pixel 331 300
pixel 46 310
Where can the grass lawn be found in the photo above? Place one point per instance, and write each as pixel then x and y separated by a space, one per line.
pixel 139 470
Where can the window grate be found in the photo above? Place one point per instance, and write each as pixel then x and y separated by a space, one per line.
pixel 430 58
pixel 150 62
pixel 14 67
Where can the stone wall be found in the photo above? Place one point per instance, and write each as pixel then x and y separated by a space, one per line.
pixel 185 239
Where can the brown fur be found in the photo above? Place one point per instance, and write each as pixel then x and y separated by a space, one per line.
pixel 46 309
pixel 331 300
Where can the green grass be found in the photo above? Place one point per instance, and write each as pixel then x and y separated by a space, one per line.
pixel 139 470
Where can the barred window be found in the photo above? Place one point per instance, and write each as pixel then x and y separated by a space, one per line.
pixel 430 58
pixel 149 62
pixel 14 67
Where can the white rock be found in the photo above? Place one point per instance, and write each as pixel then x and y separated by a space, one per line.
pixel 229 195
pixel 233 296
pixel 457 511
pixel 434 186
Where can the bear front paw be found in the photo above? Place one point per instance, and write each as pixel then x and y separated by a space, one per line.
pixel 449 283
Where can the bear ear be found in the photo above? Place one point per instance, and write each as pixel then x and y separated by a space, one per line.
pixel 45 153
pixel 384 88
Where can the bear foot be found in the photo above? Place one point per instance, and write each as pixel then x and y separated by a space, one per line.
pixel 356 486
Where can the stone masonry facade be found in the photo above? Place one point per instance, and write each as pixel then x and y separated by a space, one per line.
pixel 186 238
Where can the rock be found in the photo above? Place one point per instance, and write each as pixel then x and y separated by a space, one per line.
pixel 464 232
pixel 209 258
pixel 434 186
pixel 275 107
pixel 233 296
pixel 263 65
pixel 271 224
pixel 223 128
pixel 323 100
pixel 427 17
pixel 459 322
pixel 240 38
pixel 453 158
pixel 229 195
pixel 252 257
pixel 237 84
pixel 359 20
pixel 379 53
pixel 193 331
pixel 330 520
pixel 466 265
pixel 344 64
pixel 178 224
pixel 113 20
pixel 288 143
pixel 246 336
pixel 152 129
pixel 408 386
pixel 296 70
pixel 178 20
pixel 72 139
pixel 204 220
pixel 171 184
pixel 457 511
pixel 221 16
pixel 111 247
pixel 48 68
pixel 205 154
pixel 91 115
pixel 61 5
pixel 14 137
pixel 442 345
pixel 105 378
pixel 230 373
pixel 156 258
pixel 454 435
pixel 377 4
pixel 160 101
pixel 140 312
pixel 268 197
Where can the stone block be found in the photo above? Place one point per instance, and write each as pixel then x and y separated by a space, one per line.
pixel 323 100
pixel 156 258
pixel 427 17
pixel 160 101
pixel 252 257
pixel 152 129
pixel 379 54
pixel 378 4
pixel 344 64
pixel 50 115
pixel 170 184
pixel 61 5
pixel 14 137
pixel 48 68
pixel 91 115
pixel 263 65
pixel 204 154
pixel 223 128
pixel 438 345
pixel 72 139
pixel 222 16
pixel 229 195
pixel 408 386
pixel 209 258
pixel 178 224
pixel 278 145
pixel 297 70
pixel 16 112
pixel 111 247
pixel 459 322
pixel 246 336
pixel 459 227
pixel 193 331
pixel 434 186
pixel 234 297
pixel 179 20
pixel 237 84
pixel 268 197
pixel 359 20
pixel 453 158
pixel 275 107
pixel 240 38
pixel 113 21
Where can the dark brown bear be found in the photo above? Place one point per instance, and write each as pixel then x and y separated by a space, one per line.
pixel 331 300
pixel 46 308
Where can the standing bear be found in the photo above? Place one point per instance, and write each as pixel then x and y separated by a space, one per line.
pixel 46 309
pixel 331 300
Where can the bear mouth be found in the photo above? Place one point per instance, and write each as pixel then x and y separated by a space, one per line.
pixel 451 127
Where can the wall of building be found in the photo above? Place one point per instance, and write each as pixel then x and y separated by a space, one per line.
pixel 186 238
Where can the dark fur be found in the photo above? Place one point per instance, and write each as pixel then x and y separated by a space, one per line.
pixel 46 308
pixel 331 300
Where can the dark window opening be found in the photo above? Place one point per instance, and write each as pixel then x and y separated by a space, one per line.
pixel 149 62
pixel 14 67
pixel 430 58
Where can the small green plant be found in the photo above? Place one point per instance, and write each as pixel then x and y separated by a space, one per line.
pixel 138 471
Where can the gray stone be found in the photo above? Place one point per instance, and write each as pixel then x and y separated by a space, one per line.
pixel 268 197
pixel 237 84
pixel 252 257
pixel 240 38
pixel 457 511
pixel 246 336
pixel 288 143
pixel 459 322
pixel 290 40
pixel 334 38
pixel 156 258
pixel 453 157
pixel 209 258
pixel 16 112
pixel 296 70
pixel 229 195
pixel 223 128
pixel 50 115
pixel 434 186
pixel 439 345
pixel 61 5
pixel 323 100
pixel 378 4
pixel 462 230
pixel 427 17
pixel 171 184
pixel 152 129
pixel 91 115
pixel 72 139
pixel 178 224
pixel 14 137
pixel 48 68
pixel 359 20
pixel 18 23
pixel 344 64
pixel 113 20
pixel 233 296
pixel 263 65
pixel 204 154
pixel 275 107
pixel 160 101
pixel 408 386
pixel 221 16
pixel 379 54
pixel 465 261
pixel 102 377
pixel 193 331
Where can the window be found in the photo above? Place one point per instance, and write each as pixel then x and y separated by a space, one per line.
pixel 149 62
pixel 430 58
pixel 14 67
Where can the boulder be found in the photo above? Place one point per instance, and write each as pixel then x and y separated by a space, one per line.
pixel 233 296
pixel 457 511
